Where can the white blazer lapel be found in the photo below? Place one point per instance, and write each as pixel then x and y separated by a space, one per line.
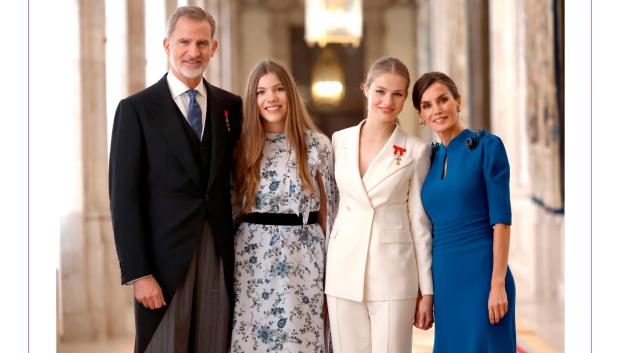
pixel 385 164
pixel 350 149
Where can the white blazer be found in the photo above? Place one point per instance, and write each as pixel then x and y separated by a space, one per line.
pixel 380 245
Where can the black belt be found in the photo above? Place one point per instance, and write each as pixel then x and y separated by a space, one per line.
pixel 280 219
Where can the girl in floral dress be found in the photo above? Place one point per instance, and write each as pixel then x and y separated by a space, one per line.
pixel 285 196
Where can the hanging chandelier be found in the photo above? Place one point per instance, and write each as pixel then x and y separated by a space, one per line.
pixel 327 79
pixel 333 21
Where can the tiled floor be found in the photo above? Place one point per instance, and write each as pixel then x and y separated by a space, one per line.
pixel 541 325
pixel 527 338
pixel 118 345
pixel 540 329
pixel 423 341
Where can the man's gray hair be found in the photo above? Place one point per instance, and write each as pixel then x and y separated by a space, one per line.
pixel 195 13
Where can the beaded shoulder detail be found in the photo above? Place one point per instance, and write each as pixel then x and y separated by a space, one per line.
pixel 472 141
pixel 434 149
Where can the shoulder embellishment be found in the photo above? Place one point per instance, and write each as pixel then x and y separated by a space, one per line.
pixel 472 141
pixel 434 149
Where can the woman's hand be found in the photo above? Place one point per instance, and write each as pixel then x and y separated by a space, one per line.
pixel 498 302
pixel 498 299
pixel 424 312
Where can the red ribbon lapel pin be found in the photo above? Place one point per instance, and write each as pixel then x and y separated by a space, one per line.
pixel 227 121
pixel 398 153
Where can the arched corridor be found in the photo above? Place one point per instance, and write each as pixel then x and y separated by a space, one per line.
pixel 506 55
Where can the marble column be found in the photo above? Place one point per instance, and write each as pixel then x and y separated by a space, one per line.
pixel 423 47
pixel 543 115
pixel 213 73
pixel 171 5
pixel 284 15
pixel 400 42
pixel 544 137
pixel 94 156
pixel 255 41
pixel 227 55
pixel 423 53
pixel 136 46
pixel 109 300
pixel 280 33
pixel 506 123
pixel 477 13
pixel 155 20
pixel 373 33
pixel 444 44
pixel 524 115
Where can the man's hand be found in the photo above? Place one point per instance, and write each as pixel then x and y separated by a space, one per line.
pixel 424 312
pixel 148 293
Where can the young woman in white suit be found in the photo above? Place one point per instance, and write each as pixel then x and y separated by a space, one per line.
pixel 378 273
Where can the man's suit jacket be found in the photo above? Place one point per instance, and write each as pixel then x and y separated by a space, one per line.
pixel 380 245
pixel 159 193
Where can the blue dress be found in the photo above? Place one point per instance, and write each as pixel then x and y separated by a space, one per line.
pixel 463 206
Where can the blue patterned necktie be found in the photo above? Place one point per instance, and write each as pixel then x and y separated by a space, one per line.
pixel 194 113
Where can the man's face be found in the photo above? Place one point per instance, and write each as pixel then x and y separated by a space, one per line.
pixel 190 47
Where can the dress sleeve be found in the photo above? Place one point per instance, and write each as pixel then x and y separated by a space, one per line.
pixel 326 171
pixel 496 171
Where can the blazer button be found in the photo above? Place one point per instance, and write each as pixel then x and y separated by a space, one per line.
pixel 207 197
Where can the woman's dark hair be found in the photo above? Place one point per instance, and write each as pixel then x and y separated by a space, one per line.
pixel 424 82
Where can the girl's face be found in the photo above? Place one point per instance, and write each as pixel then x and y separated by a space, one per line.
pixel 386 97
pixel 439 109
pixel 272 102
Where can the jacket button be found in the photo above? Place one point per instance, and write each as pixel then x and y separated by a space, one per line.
pixel 207 197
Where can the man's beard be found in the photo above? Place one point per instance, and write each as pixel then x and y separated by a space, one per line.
pixel 186 72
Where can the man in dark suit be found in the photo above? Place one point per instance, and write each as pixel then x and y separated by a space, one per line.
pixel 170 162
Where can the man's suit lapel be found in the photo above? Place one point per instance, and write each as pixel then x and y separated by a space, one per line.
pixel 166 116
pixel 384 163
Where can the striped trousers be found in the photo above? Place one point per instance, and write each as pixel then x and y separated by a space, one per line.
pixel 198 317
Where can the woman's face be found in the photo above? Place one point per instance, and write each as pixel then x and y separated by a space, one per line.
pixel 272 102
pixel 386 97
pixel 439 109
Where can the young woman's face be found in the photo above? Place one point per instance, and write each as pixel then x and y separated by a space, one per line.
pixel 386 96
pixel 272 103
pixel 439 109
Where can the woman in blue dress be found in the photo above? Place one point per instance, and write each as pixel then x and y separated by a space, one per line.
pixel 467 198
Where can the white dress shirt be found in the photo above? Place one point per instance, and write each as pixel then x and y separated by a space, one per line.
pixel 178 90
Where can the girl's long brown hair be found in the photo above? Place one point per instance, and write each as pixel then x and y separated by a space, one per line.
pixel 249 150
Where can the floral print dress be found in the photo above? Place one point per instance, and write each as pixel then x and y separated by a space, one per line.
pixel 279 270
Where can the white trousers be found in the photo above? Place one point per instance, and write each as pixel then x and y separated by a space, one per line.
pixel 371 326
